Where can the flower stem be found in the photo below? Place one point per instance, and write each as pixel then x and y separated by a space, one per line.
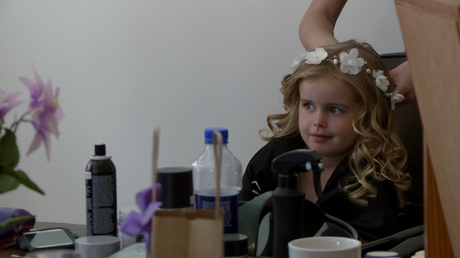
pixel 15 124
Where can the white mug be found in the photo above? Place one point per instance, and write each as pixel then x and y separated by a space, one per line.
pixel 324 247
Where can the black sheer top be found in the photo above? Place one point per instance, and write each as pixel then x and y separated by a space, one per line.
pixel 377 220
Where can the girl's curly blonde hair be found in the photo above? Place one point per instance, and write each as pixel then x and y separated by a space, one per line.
pixel 378 153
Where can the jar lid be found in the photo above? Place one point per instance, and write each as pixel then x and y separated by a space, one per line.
pixel 97 246
pixel 235 244
pixel 177 185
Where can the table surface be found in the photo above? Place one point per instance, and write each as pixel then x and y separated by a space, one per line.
pixel 15 252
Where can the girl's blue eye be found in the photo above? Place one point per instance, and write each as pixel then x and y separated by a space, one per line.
pixel 336 110
pixel 309 106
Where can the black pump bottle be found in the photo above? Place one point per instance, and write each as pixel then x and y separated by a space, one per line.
pixel 288 199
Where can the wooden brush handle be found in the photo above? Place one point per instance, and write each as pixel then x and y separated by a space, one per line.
pixel 217 139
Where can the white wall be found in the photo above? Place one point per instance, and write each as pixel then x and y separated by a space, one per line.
pixel 126 66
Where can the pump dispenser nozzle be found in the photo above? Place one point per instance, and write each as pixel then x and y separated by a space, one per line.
pixel 287 164
pixel 288 199
pixel 99 149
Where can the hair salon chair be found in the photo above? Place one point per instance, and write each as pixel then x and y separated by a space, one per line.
pixel 254 216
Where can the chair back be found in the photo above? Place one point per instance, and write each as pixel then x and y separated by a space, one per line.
pixel 410 132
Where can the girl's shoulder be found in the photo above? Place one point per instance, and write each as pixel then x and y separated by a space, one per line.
pixel 261 161
pixel 280 145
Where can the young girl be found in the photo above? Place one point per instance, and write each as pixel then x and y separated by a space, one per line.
pixel 317 29
pixel 338 101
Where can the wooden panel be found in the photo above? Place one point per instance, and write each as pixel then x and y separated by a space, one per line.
pixel 431 36
pixel 447 8
pixel 437 243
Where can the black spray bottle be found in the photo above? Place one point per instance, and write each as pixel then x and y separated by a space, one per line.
pixel 101 194
pixel 288 199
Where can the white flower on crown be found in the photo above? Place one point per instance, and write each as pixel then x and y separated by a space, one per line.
pixel 381 80
pixel 315 57
pixel 350 62
pixel 396 97
pixel 297 61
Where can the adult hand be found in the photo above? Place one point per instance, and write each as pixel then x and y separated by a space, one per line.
pixel 402 77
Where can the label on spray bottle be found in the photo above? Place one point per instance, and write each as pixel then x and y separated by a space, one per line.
pixel 101 194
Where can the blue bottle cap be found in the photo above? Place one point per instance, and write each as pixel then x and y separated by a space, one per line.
pixel 208 134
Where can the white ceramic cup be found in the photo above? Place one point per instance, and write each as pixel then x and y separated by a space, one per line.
pixel 324 247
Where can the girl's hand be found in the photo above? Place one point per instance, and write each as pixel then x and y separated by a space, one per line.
pixel 402 77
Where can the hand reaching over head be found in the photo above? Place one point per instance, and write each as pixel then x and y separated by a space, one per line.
pixel 402 77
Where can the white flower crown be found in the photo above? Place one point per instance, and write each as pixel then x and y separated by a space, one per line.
pixel 351 64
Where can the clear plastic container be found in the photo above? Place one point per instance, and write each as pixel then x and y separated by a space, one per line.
pixel 204 180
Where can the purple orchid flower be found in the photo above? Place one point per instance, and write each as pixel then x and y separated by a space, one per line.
pixel 9 101
pixel 35 88
pixel 45 112
pixel 137 223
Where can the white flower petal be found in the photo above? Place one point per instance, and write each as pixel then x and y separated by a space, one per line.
pixel 311 58
pixel 297 61
pixel 384 83
pixel 353 53
pixel 360 62
pixel 354 70
pixel 316 56
pixel 350 63
pixel 396 98
pixel 321 54
pixel 381 80
pixel 343 68
pixel 295 64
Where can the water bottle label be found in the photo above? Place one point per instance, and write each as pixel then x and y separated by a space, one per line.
pixel 205 199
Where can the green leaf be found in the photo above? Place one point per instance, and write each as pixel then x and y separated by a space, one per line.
pixel 7 182
pixel 24 179
pixel 13 221
pixel 18 175
pixel 9 152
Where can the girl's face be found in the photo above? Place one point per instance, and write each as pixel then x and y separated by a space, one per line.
pixel 326 111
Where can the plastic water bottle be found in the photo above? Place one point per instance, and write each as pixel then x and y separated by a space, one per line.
pixel 204 180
